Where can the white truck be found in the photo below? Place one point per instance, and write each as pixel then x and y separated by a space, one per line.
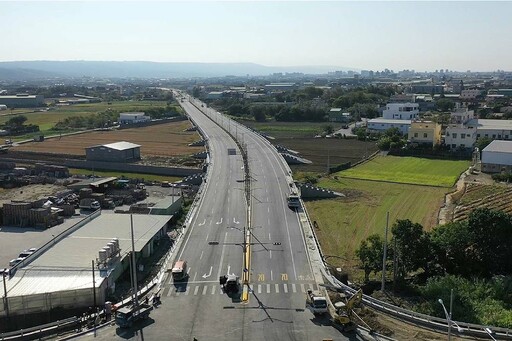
pixel 316 302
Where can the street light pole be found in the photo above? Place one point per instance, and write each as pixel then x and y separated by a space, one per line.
pixel 448 315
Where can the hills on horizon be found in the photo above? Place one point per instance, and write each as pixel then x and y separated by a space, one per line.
pixel 26 70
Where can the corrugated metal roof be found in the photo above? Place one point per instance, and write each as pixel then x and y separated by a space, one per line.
pixel 103 181
pixel 490 124
pixel 499 146
pixel 388 121
pixel 67 264
pixel 123 145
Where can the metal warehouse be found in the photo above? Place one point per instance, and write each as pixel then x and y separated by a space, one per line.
pixel 59 275
pixel 114 152
pixel 497 157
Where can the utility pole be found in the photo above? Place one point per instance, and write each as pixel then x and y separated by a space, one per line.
pixel 5 294
pixel 383 285
pixel 134 268
pixel 93 286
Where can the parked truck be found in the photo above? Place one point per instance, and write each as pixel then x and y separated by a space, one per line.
pixel 126 316
pixel 89 204
pixel 316 302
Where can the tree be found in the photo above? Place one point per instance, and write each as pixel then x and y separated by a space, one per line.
pixel 412 247
pixel 482 142
pixel 16 121
pixel 445 104
pixel 328 129
pixel 370 254
pixel 491 234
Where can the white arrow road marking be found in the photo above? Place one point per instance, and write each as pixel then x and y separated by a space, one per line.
pixel 204 222
pixel 209 274
pixel 219 222
pixel 229 271
pixel 236 222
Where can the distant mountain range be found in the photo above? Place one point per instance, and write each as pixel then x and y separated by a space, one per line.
pixel 25 70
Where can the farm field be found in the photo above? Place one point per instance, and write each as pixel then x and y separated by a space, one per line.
pixel 162 140
pixel 495 197
pixel 363 212
pixel 299 136
pixel 410 170
pixel 46 120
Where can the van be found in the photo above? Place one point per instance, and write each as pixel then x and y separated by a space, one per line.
pixel 179 270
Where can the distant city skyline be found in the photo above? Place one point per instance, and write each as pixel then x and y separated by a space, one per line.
pixel 420 36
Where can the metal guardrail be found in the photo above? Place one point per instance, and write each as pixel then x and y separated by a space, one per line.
pixel 423 320
pixel 44 330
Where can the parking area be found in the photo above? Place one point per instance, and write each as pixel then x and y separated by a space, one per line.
pixel 13 240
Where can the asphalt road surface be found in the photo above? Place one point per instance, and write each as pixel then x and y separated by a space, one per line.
pixel 280 271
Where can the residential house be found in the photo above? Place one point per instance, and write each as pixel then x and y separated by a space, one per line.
pixel 425 132
pixel 401 111
pixel 382 124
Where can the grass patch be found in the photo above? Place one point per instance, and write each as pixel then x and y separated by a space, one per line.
pixel 146 177
pixel 291 129
pixel 409 170
pixel 345 222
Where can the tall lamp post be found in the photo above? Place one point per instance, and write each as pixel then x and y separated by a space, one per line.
pixel 449 316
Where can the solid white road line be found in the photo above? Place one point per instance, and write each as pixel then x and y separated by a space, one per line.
pixel 285 288
pixel 294 289
pixel 204 289
pixel 277 288
pixel 196 290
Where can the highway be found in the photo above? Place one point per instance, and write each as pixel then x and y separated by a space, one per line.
pixel 273 307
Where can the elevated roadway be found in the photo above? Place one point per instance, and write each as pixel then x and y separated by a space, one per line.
pixel 279 271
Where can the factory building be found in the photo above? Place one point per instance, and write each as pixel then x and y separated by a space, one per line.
pixel 22 101
pixel 133 117
pixel 497 157
pixel 59 274
pixel 114 152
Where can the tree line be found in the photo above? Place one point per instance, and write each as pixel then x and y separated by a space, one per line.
pixel 474 254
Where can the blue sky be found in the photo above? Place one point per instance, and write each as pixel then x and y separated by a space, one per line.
pixel 365 35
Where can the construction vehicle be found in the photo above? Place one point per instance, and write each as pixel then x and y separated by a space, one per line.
pixel 126 316
pixel 316 302
pixel 343 317
pixel 230 284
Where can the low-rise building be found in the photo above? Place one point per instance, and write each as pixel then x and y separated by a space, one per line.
pixel 425 132
pixel 133 117
pixel 215 95
pixel 470 95
pixel 336 115
pixel 401 111
pixel 22 101
pixel 459 136
pixel 114 152
pixel 497 157
pixel 382 124
pixel 492 129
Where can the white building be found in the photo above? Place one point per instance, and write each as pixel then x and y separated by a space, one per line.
pixel 382 124
pixel 133 117
pixel 492 129
pixel 401 111
pixel 497 157
pixel 460 136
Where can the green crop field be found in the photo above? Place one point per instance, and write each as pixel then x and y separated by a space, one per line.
pixel 290 129
pixel 343 223
pixel 409 170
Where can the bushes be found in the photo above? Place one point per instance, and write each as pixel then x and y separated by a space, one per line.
pixel 478 301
